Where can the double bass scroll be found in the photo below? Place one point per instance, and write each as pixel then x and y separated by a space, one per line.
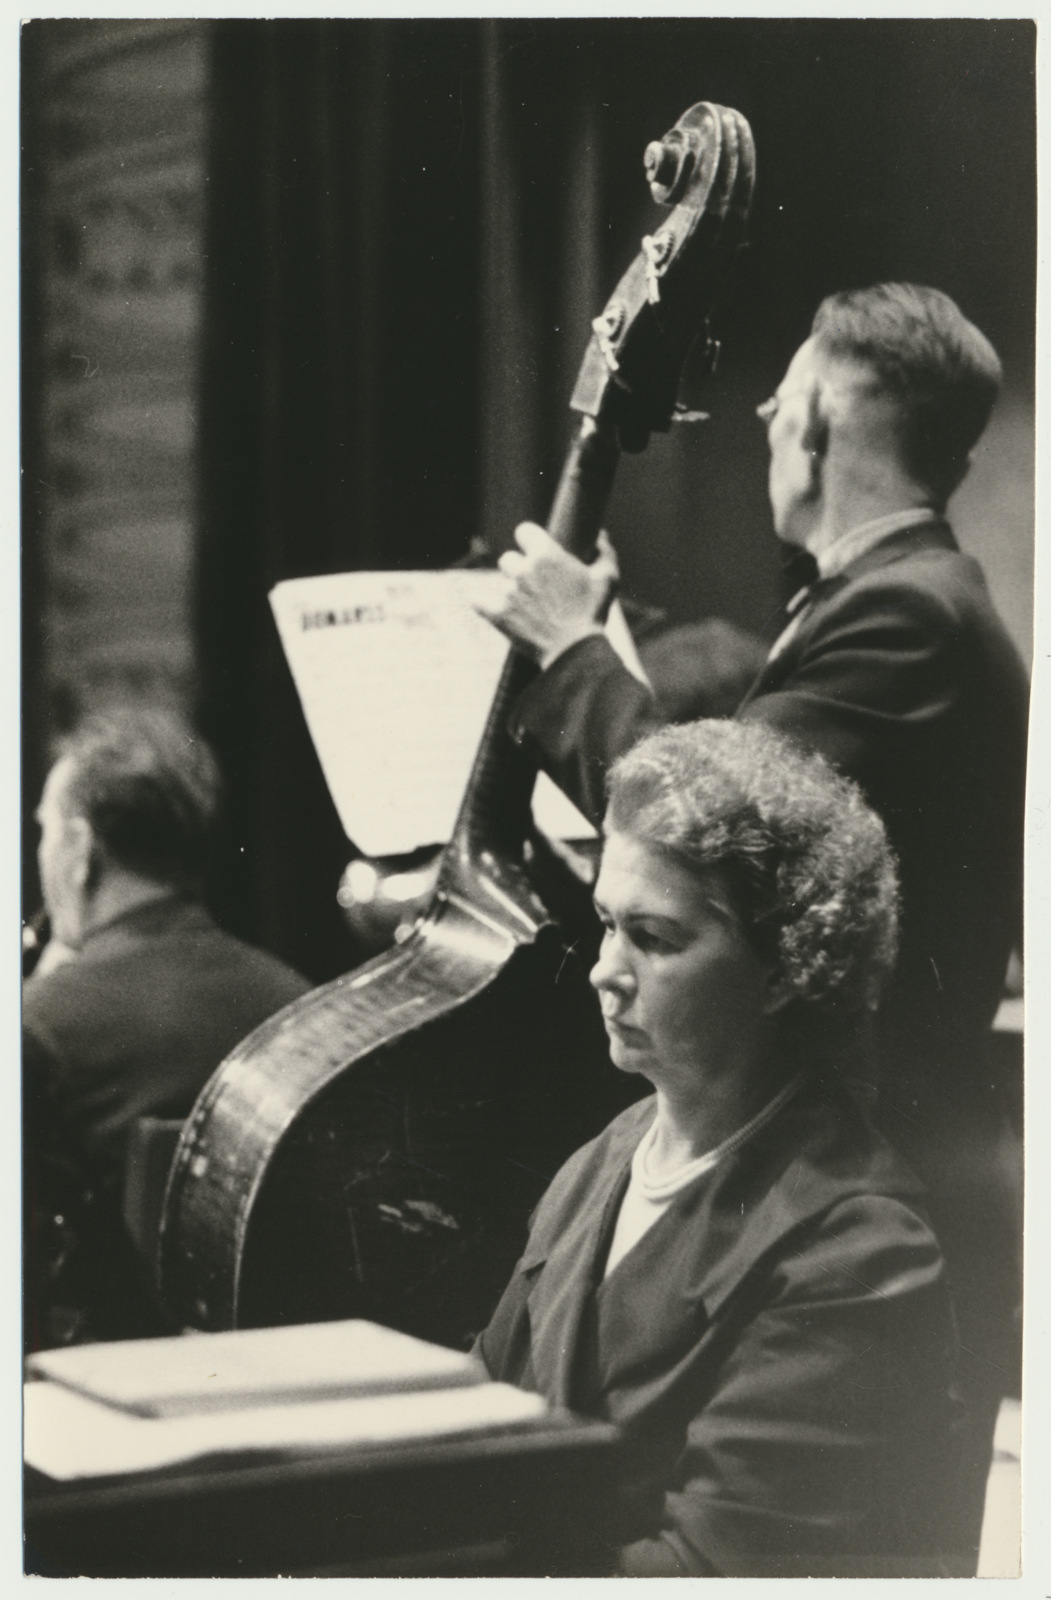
pixel 374 1150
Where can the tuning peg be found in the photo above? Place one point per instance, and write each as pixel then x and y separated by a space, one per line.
pixel 606 328
pixel 668 163
pixel 657 248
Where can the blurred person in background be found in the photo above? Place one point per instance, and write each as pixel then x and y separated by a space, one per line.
pixel 134 1002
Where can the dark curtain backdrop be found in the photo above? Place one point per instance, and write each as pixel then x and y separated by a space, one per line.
pixel 410 226
pixel 339 398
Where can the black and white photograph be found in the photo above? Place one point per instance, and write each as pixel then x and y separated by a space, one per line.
pixel 528 533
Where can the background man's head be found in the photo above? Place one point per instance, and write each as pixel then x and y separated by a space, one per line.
pixel 894 387
pixel 130 800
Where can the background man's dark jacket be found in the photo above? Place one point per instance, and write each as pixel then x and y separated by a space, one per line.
pixel 134 1027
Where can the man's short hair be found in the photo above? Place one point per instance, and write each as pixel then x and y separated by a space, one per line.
pixel 805 859
pixel 148 786
pixel 943 373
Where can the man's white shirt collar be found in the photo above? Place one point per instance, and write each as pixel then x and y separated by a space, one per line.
pixel 849 547
pixel 857 542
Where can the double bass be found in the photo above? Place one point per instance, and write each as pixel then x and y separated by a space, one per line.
pixel 374 1150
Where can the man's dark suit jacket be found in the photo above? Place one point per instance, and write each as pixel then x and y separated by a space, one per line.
pixel 901 673
pixel 134 1027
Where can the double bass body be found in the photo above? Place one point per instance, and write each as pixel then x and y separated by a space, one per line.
pixel 374 1150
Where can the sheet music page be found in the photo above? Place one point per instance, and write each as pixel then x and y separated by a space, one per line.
pixel 396 673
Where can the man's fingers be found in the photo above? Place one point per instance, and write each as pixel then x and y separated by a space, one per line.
pixel 493 610
pixel 606 561
pixel 536 543
pixel 512 564
pixel 533 539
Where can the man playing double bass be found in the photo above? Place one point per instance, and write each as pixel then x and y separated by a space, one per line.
pixel 895 666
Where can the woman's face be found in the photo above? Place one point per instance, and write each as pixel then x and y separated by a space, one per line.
pixel 683 993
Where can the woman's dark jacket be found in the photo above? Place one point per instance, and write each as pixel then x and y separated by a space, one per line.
pixel 777 1350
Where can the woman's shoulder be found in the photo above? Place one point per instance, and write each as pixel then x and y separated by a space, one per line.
pixel 819 1169
pixel 825 1148
pixel 839 1151
pixel 844 1178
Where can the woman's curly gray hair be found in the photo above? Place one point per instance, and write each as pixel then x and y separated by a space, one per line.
pixel 806 860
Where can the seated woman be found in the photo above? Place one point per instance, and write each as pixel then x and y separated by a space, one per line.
pixel 738 1271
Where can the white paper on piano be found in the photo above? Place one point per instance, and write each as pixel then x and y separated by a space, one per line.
pixel 212 1371
pixel 396 674
pixel 68 1436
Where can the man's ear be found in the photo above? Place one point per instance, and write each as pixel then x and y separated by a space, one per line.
pixel 84 854
pixel 815 435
